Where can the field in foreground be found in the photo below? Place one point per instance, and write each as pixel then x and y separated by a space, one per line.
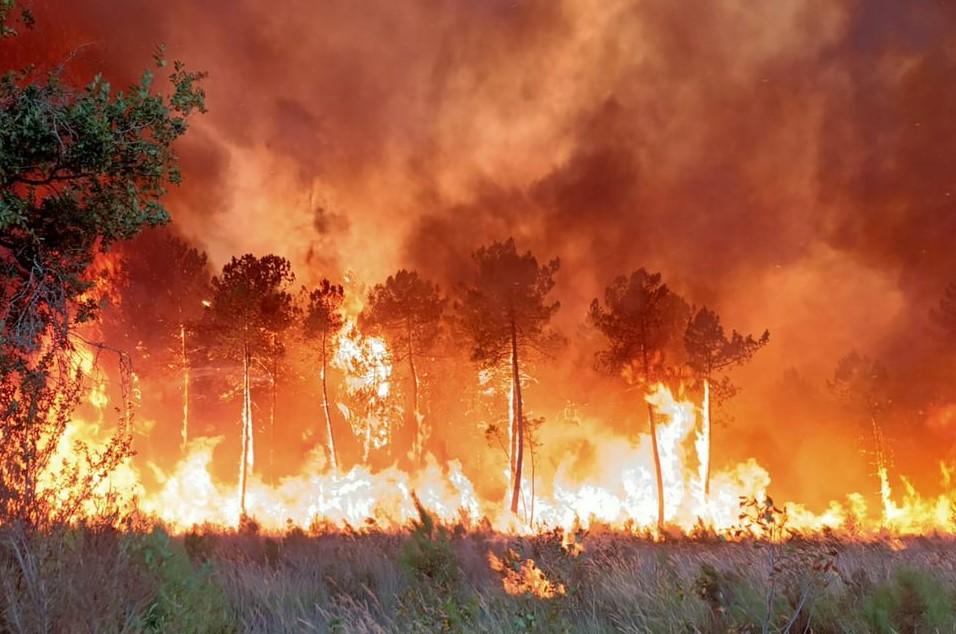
pixel 431 579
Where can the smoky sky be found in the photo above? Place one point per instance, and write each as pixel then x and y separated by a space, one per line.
pixel 790 163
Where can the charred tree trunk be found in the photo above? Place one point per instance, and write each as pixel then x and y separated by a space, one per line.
pixel 247 459
pixel 184 361
pixel 518 438
pixel 419 441
pixel 330 439
pixel 657 467
pixel 653 424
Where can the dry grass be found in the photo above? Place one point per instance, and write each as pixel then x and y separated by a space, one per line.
pixel 431 580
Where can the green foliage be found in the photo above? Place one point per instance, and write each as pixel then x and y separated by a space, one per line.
pixel 80 169
pixel 428 554
pixel 7 18
pixel 436 601
pixel 200 545
pixel 912 601
pixel 186 599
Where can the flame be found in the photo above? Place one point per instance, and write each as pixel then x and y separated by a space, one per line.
pixel 368 370
pixel 619 493
pixel 522 576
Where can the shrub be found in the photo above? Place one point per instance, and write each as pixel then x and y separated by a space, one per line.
pixel 185 600
pixel 912 601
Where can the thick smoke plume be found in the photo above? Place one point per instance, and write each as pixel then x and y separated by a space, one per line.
pixel 788 163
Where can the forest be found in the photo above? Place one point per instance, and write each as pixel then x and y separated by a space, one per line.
pixel 490 405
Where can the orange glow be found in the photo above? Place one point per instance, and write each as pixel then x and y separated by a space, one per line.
pixel 620 495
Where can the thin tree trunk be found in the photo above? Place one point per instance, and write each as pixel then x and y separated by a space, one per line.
pixel 657 467
pixel 419 441
pixel 330 439
pixel 519 419
pixel 273 386
pixel 184 361
pixel 367 442
pixel 512 432
pixel 653 423
pixel 533 476
pixel 708 431
pixel 881 470
pixel 247 458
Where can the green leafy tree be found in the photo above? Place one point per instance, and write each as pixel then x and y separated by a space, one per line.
pixel 506 313
pixel 408 311
pixel 710 354
pixel 81 168
pixel 642 320
pixel 166 281
pixel 250 303
pixel 323 322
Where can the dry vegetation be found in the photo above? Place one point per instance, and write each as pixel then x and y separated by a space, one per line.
pixel 438 579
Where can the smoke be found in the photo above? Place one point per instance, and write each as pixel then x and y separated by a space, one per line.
pixel 788 163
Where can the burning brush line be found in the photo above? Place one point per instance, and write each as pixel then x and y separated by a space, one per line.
pixel 621 496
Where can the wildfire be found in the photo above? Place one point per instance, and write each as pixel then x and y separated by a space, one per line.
pixel 522 576
pixel 620 494
pixel 368 367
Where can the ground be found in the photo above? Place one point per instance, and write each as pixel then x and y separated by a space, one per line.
pixel 464 579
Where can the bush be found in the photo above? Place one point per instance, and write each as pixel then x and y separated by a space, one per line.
pixel 912 601
pixel 185 599
pixel 436 601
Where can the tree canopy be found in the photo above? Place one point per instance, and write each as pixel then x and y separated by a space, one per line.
pixel 508 295
pixel 642 319
pixel 81 168
pixel 710 350
pixel 250 300
pixel 408 310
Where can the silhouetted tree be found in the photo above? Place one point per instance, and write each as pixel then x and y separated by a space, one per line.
pixel 166 281
pixel 81 168
pixel 323 322
pixel 642 321
pixel 506 313
pixel 862 385
pixel 945 315
pixel 249 305
pixel 408 311
pixel 710 352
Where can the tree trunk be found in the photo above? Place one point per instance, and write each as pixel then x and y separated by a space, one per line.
pixel 657 467
pixel 419 441
pixel 367 442
pixel 330 439
pixel 708 436
pixel 273 388
pixel 518 421
pixel 653 423
pixel 533 477
pixel 184 361
pixel 247 459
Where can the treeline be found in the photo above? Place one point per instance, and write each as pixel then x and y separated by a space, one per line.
pixel 251 313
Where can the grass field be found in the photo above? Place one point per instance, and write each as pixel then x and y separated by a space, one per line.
pixel 435 579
